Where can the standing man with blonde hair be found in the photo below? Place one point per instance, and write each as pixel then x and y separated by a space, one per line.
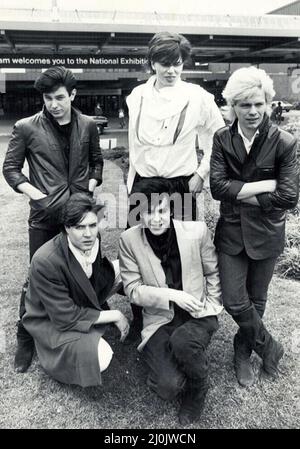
pixel 254 175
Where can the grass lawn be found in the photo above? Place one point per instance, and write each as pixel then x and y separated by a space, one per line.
pixel 33 400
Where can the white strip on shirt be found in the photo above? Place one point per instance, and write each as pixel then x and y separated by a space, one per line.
pixel 248 143
pixel 153 119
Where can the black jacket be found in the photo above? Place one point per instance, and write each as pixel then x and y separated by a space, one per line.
pixel 61 309
pixel 258 229
pixel 37 140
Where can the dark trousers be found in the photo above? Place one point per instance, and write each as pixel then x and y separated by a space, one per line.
pixel 177 353
pixel 187 212
pixel 179 186
pixel 245 282
pixel 37 237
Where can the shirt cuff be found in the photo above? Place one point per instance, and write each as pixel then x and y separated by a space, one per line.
pixel 96 173
pixel 21 180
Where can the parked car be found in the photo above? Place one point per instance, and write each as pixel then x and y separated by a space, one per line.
pixel 101 122
pixel 296 106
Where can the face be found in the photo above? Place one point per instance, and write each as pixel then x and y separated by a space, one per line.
pixel 58 104
pixel 157 219
pixel 167 75
pixel 250 112
pixel 84 234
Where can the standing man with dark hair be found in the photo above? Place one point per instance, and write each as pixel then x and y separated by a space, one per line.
pixel 62 149
pixel 166 115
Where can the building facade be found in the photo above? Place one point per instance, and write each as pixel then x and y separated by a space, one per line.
pixel 107 50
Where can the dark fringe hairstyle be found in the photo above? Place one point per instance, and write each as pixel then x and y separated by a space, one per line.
pixel 168 48
pixel 54 78
pixel 76 208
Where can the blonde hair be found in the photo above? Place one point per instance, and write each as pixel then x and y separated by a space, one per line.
pixel 243 84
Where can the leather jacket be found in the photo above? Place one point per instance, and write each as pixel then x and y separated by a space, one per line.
pixel 37 140
pixel 259 229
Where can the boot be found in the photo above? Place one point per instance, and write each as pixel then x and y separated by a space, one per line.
pixel 193 400
pixel 242 362
pixel 25 349
pixel 136 325
pixel 134 334
pixel 271 352
pixel 260 340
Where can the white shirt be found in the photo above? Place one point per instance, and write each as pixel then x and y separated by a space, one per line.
pixel 156 116
pixel 248 143
pixel 85 258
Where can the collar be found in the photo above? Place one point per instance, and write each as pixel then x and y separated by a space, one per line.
pixel 164 103
pixel 165 92
pixel 248 141
pixel 263 128
pixel 74 114
pixel 85 258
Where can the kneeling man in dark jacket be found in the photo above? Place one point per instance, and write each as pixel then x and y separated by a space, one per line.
pixel 66 309
pixel 170 268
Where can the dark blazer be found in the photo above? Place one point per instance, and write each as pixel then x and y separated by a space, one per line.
pixel 258 229
pixel 61 309
pixel 36 139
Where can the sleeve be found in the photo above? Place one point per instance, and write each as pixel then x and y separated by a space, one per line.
pixel 210 269
pixel 222 187
pixel 48 286
pixel 213 122
pixel 134 287
pixel 14 158
pixel 287 190
pixel 95 155
pixel 133 101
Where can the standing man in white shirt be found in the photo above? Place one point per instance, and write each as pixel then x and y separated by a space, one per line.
pixel 165 116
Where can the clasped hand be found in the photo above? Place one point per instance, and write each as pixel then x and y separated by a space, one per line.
pixel 186 301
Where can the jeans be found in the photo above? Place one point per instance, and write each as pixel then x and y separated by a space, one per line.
pixel 245 282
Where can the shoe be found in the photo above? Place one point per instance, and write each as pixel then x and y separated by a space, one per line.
pixel 260 340
pixel 242 362
pixel 23 356
pixel 271 358
pixel 25 349
pixel 193 401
